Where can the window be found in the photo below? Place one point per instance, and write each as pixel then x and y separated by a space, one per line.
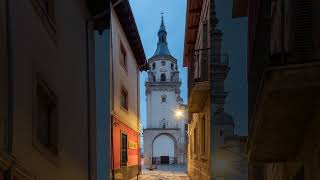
pixel 203 135
pixel 163 123
pixel 153 66
pixel 163 77
pixel 47 118
pixel 124 98
pixel 123 57
pixel 191 146
pixel 221 133
pixel 154 78
pixel 282 26
pixel 171 66
pixel 124 149
pixel 163 98
pixel 205 35
pixel 163 63
pixel 195 141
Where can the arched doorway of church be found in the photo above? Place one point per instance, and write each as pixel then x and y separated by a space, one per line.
pixel 163 150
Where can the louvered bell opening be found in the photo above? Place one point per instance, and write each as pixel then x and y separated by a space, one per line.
pixel 303 30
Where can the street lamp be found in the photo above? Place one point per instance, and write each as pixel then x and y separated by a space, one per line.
pixel 179 113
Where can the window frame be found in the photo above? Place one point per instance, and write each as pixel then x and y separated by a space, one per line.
pixel 203 134
pixel 195 141
pixel 121 148
pixel 126 107
pixel 123 53
pixel 163 97
pixel 161 77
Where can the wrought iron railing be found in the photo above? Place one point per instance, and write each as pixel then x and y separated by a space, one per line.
pixel 199 66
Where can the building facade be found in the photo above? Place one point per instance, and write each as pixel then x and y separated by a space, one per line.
pixel 128 58
pixel 214 150
pixel 47 91
pixel 283 76
pixel 165 135
pixel 197 59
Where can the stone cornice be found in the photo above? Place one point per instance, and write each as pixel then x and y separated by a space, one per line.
pixel 165 58
pixel 163 86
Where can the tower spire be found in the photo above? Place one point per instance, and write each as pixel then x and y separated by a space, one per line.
pixel 162 48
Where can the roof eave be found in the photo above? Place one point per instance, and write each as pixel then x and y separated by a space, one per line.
pixel 194 8
pixel 127 21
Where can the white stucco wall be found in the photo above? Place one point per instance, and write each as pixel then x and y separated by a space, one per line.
pixel 163 69
pixel 129 79
pixel 160 111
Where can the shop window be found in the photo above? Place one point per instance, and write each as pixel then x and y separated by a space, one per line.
pixel 124 149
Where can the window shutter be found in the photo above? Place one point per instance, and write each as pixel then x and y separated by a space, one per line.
pixel 303 30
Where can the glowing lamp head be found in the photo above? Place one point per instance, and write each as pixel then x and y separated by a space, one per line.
pixel 179 113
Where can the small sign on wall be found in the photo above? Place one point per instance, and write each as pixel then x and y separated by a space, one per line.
pixel 132 145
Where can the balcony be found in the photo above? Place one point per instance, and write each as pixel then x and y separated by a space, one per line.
pixel 199 82
pixel 285 107
pixel 198 96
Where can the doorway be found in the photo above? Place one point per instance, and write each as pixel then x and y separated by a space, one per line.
pixel 164 159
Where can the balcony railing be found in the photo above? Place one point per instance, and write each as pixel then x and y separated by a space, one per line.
pixel 163 81
pixel 199 68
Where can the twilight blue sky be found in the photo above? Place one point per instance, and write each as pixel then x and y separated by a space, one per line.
pixel 147 16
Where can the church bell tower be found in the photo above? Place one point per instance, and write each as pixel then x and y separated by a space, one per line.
pixel 164 136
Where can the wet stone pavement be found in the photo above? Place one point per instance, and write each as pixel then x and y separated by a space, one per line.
pixel 164 172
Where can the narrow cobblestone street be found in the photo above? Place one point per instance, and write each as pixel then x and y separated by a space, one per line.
pixel 164 172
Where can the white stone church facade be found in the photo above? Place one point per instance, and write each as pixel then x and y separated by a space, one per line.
pixel 165 134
